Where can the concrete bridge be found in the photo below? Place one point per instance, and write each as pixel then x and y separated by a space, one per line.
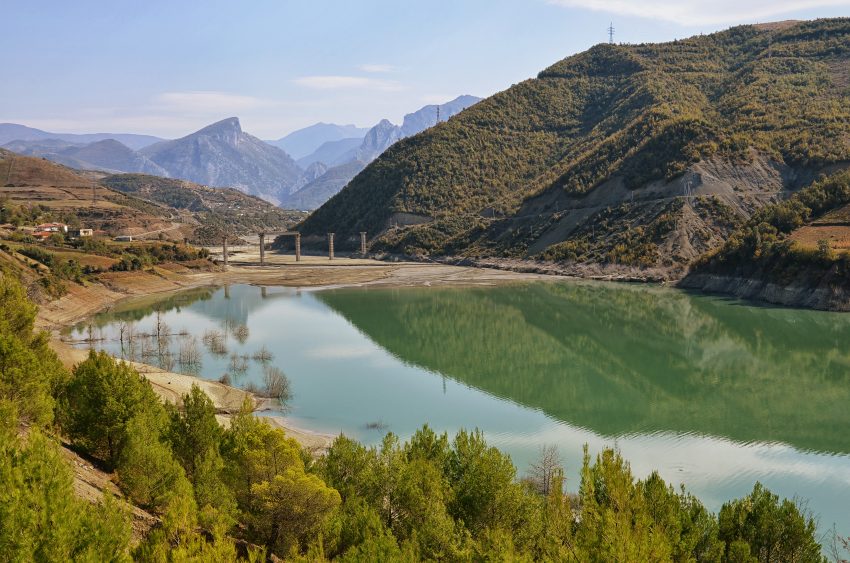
pixel 297 235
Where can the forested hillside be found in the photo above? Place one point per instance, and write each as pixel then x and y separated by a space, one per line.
pixel 632 155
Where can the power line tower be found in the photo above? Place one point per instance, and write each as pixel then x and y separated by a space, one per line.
pixel 438 114
pixel 611 34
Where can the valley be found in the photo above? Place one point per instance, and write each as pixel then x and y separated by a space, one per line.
pixel 597 315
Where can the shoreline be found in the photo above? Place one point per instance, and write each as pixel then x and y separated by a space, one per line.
pixel 84 302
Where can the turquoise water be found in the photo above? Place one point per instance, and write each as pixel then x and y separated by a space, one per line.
pixel 715 394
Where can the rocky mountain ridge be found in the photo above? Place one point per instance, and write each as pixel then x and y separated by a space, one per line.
pixel 303 142
pixel 346 165
pixel 107 155
pixel 222 155
pixel 15 132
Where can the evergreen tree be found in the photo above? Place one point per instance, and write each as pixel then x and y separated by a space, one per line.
pixel 762 529
pixel 101 398
pixel 30 373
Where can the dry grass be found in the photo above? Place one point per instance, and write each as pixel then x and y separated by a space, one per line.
pixel 91 260
pixel 839 72
pixel 807 237
pixel 840 216
pixel 20 170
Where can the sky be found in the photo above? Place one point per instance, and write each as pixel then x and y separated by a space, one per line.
pixel 167 68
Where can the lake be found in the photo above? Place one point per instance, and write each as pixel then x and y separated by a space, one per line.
pixel 713 393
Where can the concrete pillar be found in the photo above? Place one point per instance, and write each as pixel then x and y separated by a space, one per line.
pixel 330 246
pixel 363 243
pixel 224 251
pixel 262 249
pixel 185 241
pixel 297 247
pixel 263 291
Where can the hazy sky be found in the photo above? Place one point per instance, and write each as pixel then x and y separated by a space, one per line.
pixel 170 67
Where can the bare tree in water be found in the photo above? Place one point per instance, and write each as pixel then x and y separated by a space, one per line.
pixel 91 335
pixel 189 354
pixel 215 342
pixel 240 332
pixel 131 336
pixel 276 385
pixel 163 332
pixel 122 335
pixel 263 355
pixel 238 364
pixel 166 360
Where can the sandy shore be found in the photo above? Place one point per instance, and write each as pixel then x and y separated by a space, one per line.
pixel 282 270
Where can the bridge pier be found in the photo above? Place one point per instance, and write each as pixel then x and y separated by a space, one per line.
pixel 263 235
pixel 224 250
pixel 363 243
pixel 330 246
pixel 297 247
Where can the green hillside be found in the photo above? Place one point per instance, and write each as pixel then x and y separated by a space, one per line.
pixel 799 245
pixel 638 155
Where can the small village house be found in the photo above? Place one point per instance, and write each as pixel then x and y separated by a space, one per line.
pixel 80 233
pixel 45 230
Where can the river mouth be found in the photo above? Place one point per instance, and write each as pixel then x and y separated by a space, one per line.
pixel 712 393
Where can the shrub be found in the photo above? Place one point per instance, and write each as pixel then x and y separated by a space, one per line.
pixel 41 518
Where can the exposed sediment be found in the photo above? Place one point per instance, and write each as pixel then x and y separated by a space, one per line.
pixel 822 294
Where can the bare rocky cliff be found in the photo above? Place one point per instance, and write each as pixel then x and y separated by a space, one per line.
pixel 223 155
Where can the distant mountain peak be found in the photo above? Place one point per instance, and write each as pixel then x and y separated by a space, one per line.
pixel 430 115
pixel 303 142
pixel 110 143
pixel 351 161
pixel 223 155
pixel 228 130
